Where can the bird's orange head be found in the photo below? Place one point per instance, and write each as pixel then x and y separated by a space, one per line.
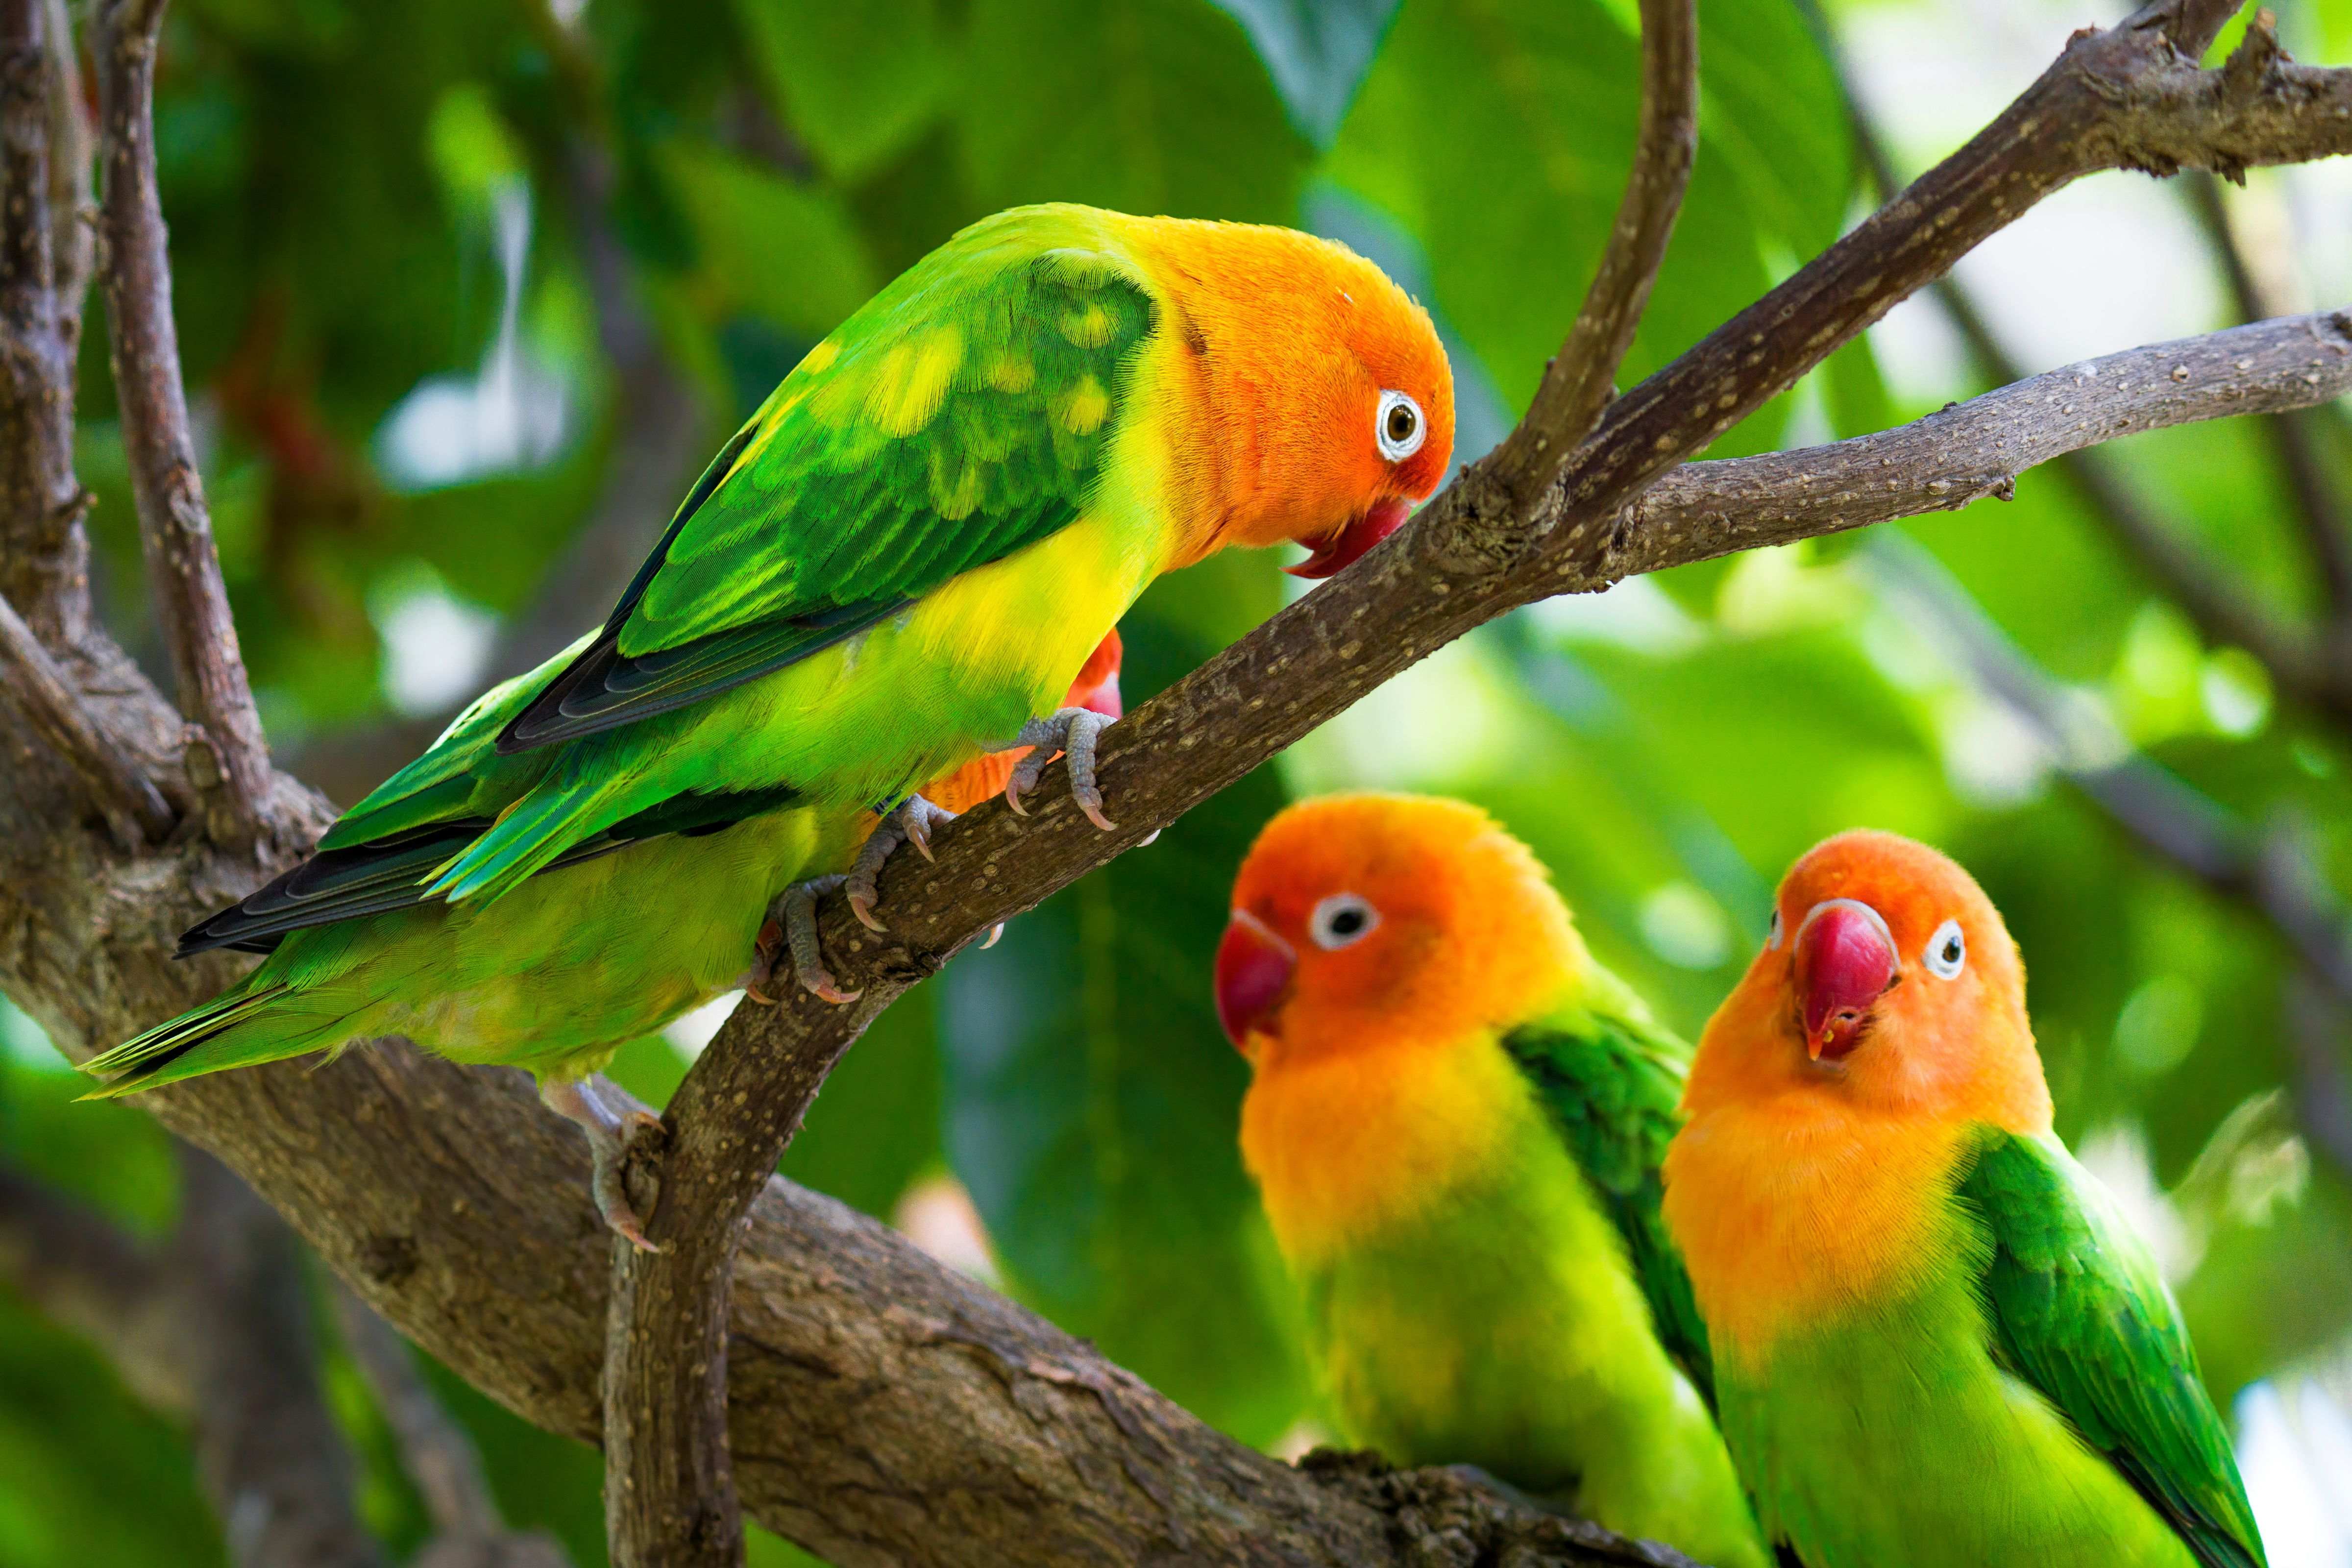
pixel 1888 985
pixel 1312 398
pixel 1376 919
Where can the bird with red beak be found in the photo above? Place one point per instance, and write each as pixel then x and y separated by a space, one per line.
pixel 1935 1339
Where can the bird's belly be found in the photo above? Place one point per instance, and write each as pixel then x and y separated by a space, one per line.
pixel 914 697
pixel 1894 1437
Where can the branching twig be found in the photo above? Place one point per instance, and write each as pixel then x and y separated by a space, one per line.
pixel 1580 378
pixel 44 557
pixel 51 710
pixel 175 526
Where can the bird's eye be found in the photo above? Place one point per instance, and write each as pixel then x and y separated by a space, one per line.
pixel 1340 920
pixel 1772 937
pixel 1399 427
pixel 1946 953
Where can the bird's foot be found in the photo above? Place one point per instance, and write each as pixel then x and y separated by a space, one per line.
pixel 1074 731
pixel 613 1136
pixel 910 823
pixel 790 933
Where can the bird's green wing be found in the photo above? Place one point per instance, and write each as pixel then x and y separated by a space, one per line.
pixel 965 412
pixel 1611 1085
pixel 2079 1312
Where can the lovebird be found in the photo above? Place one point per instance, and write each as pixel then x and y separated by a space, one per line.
pixel 660 915
pixel 1937 1342
pixel 1454 1121
pixel 907 554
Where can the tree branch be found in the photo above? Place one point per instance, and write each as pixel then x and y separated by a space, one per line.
pixel 1970 451
pixel 52 711
pixel 1580 379
pixel 44 556
pixel 175 526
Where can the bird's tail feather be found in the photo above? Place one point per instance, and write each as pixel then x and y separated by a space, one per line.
pixel 528 837
pixel 237 1029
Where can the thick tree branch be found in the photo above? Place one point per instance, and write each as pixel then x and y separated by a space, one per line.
pixel 175 526
pixel 51 711
pixel 44 556
pixel 1580 379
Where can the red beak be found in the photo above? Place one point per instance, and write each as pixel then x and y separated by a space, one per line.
pixel 1845 962
pixel 1254 968
pixel 1342 547
pixel 1097 686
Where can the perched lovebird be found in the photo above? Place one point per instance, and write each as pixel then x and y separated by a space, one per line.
pixel 1456 1120
pixel 1936 1341
pixel 656 916
pixel 909 552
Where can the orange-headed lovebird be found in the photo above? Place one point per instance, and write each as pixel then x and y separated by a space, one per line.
pixel 1456 1120
pixel 1936 1341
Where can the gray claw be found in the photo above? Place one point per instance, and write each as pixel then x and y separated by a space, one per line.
pixel 610 1135
pixel 1074 731
pixel 794 923
pixel 910 823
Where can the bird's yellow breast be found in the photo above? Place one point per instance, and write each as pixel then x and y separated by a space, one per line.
pixel 1347 1145
pixel 1793 1214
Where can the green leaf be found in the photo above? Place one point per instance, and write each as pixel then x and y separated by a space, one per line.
pixel 1093 1108
pixel 1145 106
pixel 856 83
pixel 1317 51
pixel 1514 241
pixel 785 251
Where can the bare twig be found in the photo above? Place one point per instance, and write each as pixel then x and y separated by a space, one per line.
pixel 1978 448
pixel 44 557
pixel 1581 377
pixel 2319 1031
pixel 2300 665
pixel 175 526
pixel 52 711
pixel 437 1453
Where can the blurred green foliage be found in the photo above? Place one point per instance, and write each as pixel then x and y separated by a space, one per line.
pixel 376 205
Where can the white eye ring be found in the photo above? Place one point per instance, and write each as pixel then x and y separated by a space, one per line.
pixel 1342 921
pixel 1772 937
pixel 1399 427
pixel 1946 953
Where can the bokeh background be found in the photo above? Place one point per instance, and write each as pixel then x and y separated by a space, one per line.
pixel 468 289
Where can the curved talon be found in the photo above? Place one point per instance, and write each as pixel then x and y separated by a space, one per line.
pixel 994 933
pixel 909 822
pixel 610 1135
pixel 798 907
pixel 1072 732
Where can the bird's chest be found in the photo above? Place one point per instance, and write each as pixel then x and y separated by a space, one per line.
pixel 1892 1436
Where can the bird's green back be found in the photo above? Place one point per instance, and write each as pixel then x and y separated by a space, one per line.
pixel 2079 1311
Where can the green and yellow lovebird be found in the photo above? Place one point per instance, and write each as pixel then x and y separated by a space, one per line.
pixel 1455 1122
pixel 1936 1341
pixel 657 916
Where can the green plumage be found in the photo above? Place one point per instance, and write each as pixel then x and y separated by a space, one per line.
pixel 851 600
pixel 2033 1399
pixel 1532 1318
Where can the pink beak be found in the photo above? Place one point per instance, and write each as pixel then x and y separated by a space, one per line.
pixel 1845 963
pixel 1343 548
pixel 1253 975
